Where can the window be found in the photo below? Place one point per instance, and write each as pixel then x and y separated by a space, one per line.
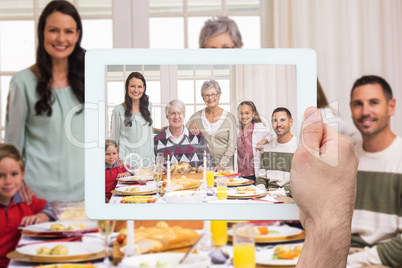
pixel 18 23
pixel 177 23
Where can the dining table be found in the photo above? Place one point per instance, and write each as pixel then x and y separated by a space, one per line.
pixel 262 247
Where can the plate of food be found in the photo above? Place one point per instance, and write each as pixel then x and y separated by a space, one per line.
pixel 267 234
pixel 67 265
pixel 245 192
pixel 135 190
pixel 62 251
pixel 136 179
pixel 166 260
pixel 239 181
pixel 182 183
pixel 141 199
pixel 63 227
pixel 229 174
pixel 281 255
pixel 185 197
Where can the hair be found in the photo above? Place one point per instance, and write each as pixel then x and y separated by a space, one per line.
pixel 218 25
pixel 44 62
pixel 144 101
pixel 373 79
pixel 176 104
pixel 322 101
pixel 256 118
pixel 9 150
pixel 210 84
pixel 282 109
pixel 109 143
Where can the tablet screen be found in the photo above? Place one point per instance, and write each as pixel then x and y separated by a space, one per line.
pixel 270 78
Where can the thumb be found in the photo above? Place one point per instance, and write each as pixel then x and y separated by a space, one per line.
pixel 312 131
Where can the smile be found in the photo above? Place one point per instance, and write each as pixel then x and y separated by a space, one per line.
pixel 60 48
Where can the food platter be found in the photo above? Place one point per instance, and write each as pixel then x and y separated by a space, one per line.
pixel 276 234
pixel 233 193
pixel 266 258
pixel 238 181
pixel 44 228
pixel 135 179
pixel 135 190
pixel 77 251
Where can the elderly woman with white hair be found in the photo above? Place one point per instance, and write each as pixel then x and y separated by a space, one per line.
pixel 220 32
pixel 217 125
pixel 177 141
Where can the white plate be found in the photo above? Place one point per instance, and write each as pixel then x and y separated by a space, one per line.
pixel 193 261
pixel 143 188
pixel 44 227
pixel 136 178
pixel 74 249
pixel 232 192
pixel 237 180
pixel 264 257
pixel 277 231
pixel 185 197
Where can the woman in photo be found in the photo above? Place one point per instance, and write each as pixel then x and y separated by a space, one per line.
pixel 131 125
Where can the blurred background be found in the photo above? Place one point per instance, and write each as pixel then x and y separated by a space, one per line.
pixel 351 38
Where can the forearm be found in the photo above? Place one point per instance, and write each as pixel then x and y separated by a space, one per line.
pixel 325 245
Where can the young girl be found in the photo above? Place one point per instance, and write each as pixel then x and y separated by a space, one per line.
pixel 13 211
pixel 112 169
pixel 251 137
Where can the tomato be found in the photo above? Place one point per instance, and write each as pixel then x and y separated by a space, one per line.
pixel 120 238
pixel 153 200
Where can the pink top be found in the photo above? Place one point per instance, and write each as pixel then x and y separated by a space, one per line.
pixel 245 151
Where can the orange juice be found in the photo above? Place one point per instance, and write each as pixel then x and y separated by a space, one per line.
pixel 244 256
pixel 222 192
pixel 210 179
pixel 219 230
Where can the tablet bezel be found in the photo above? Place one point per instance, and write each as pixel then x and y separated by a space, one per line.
pixel 95 63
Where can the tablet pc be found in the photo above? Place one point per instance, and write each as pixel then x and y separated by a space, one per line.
pixel 289 76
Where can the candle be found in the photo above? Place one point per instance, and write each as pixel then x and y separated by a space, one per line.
pixel 204 173
pixel 130 249
pixel 168 189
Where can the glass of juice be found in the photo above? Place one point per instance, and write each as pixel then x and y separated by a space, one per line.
pixel 219 230
pixel 243 245
pixel 210 177
pixel 222 188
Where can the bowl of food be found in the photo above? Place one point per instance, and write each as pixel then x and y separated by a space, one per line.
pixel 166 260
pixel 187 196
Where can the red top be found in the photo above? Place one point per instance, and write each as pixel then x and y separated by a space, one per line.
pixel 245 155
pixel 10 219
pixel 111 178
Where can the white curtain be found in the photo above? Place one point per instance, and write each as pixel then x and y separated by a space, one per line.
pixel 268 86
pixel 351 37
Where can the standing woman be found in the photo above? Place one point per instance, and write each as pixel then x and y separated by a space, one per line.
pixel 252 135
pixel 131 125
pixel 44 117
pixel 217 125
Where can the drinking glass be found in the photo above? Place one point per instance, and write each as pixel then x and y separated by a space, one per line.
pixel 243 246
pixel 222 188
pixel 219 230
pixel 160 159
pixel 106 228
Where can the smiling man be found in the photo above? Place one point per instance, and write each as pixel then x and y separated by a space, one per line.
pixel 276 160
pixel 377 219
pixel 177 141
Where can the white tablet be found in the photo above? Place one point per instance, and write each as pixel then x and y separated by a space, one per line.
pixel 270 78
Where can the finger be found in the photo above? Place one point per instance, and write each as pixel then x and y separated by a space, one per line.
pixel 312 130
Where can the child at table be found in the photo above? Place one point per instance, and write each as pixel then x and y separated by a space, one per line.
pixel 112 169
pixel 13 211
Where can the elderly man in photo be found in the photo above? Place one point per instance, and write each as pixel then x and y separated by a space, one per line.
pixel 377 218
pixel 276 159
pixel 177 141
